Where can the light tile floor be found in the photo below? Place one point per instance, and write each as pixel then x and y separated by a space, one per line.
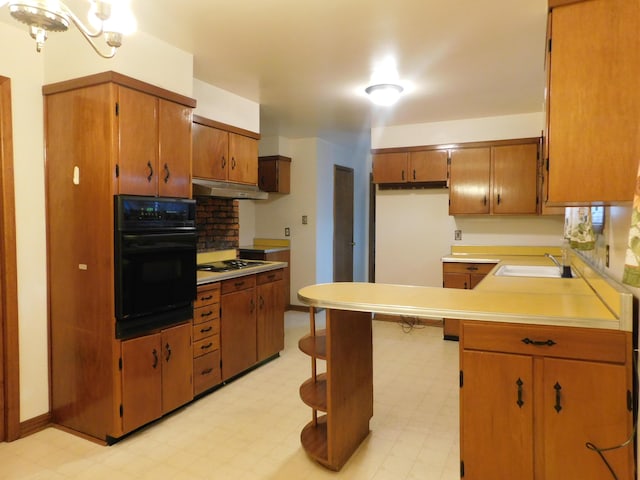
pixel 250 429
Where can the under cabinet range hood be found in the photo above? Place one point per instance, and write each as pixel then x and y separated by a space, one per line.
pixel 213 188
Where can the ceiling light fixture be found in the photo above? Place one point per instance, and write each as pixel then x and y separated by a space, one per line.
pixel 384 93
pixel 110 19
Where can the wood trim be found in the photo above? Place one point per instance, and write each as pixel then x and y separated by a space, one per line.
pixel 454 146
pixel 34 425
pixel 120 79
pixel 559 3
pixel 223 126
pixel 8 270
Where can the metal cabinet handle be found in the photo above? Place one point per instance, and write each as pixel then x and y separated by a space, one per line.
pixel 155 358
pixel 206 371
pixel 233 163
pixel 403 175
pixel 206 298
pixel 205 330
pixel 498 199
pixel 484 200
pixel 414 174
pixel 253 306
pixel 539 343
pixel 519 383
pixel 208 345
pixel 206 314
pixel 167 347
pixel 224 162
pixel 150 176
pixel 558 406
pixel 167 173
pixel 261 302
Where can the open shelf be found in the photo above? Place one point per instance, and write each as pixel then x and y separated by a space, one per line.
pixel 314 394
pixel 314 345
pixel 314 440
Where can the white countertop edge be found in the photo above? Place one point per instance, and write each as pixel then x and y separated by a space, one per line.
pixel 219 276
pixel 475 258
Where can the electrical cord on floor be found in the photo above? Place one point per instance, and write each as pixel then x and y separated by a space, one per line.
pixel 409 323
pixel 600 451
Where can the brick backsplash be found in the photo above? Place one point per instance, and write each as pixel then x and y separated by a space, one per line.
pixel 217 223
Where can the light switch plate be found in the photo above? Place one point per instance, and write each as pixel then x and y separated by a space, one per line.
pixel 304 219
pixel 287 232
pixel 457 234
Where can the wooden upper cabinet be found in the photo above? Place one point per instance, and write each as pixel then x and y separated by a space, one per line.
pixel 390 167
pixel 422 166
pixel 243 159
pixel 274 174
pixel 470 174
pixel 515 173
pixel 210 150
pixel 593 102
pixel 138 148
pixel 154 145
pixel 225 155
pixel 174 164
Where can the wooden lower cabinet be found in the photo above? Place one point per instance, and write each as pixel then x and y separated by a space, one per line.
pixel 206 338
pixel 344 394
pixel 464 276
pixel 277 256
pixel 270 314
pixel 156 375
pixel 532 397
pixel 238 325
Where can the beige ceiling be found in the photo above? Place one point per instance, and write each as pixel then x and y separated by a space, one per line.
pixel 307 61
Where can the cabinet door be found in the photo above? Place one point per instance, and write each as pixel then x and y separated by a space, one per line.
pixel 469 181
pixel 210 150
pixel 270 319
pixel 515 179
pixel 174 176
pixel 496 419
pixel 238 332
pixel 428 166
pixel 390 167
pixel 585 402
pixel 594 103
pixel 456 280
pixel 141 381
pixel 243 159
pixel 138 149
pixel 177 367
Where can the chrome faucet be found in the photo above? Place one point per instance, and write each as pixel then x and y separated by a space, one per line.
pixel 554 260
pixel 565 270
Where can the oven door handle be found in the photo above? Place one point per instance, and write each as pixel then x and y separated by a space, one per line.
pixel 136 243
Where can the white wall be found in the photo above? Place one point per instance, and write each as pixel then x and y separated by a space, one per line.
pixel 312 166
pixel 223 106
pixel 25 68
pixel 414 229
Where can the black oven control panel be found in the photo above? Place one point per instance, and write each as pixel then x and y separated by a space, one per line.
pixel 135 213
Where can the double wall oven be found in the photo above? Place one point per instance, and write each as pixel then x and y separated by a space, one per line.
pixel 155 263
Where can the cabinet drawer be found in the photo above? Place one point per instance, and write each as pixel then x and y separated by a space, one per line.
pixel 548 341
pixel 457 267
pixel 206 372
pixel 237 284
pixel 206 329
pixel 206 345
pixel 206 313
pixel 207 294
pixel 270 276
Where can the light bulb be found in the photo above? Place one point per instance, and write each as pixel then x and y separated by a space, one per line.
pixel 384 94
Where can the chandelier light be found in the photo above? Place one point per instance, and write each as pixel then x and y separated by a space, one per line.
pixel 109 19
pixel 384 94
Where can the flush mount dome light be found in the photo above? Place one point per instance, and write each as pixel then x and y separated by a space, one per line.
pixel 384 93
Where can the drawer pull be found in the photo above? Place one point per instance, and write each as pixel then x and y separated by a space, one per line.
pixel 206 371
pixel 472 268
pixel 239 284
pixel 519 383
pixel 207 314
pixel 205 330
pixel 557 387
pixel 206 298
pixel 541 343
pixel 208 345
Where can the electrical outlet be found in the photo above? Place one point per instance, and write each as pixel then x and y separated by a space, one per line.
pixel 457 234
pixel 304 219
pixel 287 232
pixel 606 256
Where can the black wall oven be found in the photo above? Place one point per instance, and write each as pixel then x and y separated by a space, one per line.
pixel 155 263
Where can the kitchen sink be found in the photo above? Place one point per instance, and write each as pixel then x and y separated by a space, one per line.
pixel 542 271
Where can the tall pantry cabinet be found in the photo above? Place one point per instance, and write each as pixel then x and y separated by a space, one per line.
pixel 105 134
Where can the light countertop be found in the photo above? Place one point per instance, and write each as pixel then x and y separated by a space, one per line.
pixel 588 301
pixel 209 277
